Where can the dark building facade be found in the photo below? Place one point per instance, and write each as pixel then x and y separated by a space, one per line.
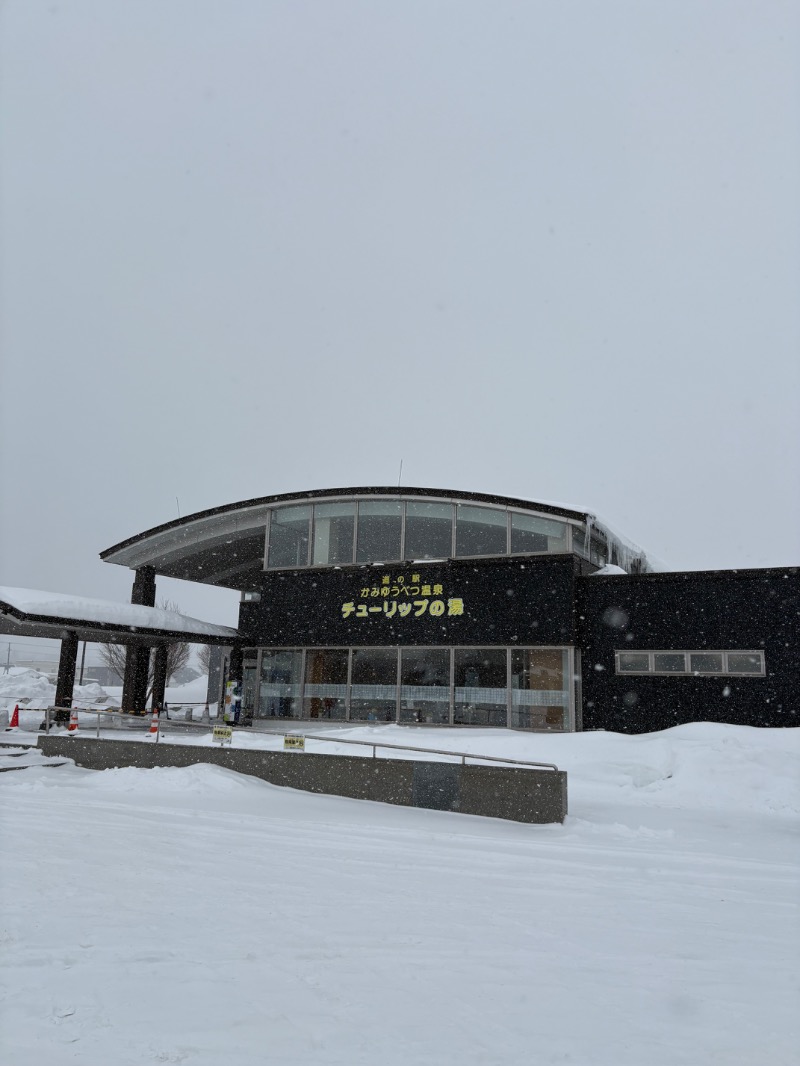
pixel 422 606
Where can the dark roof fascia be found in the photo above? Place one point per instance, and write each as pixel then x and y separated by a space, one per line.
pixel 128 633
pixel 312 494
pixel 705 575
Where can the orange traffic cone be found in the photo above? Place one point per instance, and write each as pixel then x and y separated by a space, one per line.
pixel 14 719
pixel 73 721
pixel 154 722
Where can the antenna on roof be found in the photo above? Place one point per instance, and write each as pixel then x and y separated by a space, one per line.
pixel 178 506
pixel 400 475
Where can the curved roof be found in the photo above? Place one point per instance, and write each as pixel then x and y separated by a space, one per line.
pixel 225 545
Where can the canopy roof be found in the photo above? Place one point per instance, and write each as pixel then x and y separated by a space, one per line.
pixel 36 613
pixel 225 545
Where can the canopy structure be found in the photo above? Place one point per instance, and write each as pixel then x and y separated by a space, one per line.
pixel 36 613
pixel 225 546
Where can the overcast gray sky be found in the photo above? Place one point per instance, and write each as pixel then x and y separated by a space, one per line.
pixel 546 249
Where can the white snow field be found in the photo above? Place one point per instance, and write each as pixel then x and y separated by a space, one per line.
pixel 198 916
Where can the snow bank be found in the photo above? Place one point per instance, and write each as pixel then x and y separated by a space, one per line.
pixel 32 690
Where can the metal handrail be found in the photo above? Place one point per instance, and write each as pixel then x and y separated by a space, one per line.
pixel 463 755
pixel 374 744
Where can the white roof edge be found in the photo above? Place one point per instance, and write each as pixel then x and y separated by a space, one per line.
pixel 124 615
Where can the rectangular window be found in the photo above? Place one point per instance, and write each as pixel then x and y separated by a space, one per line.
pixel 425 685
pixel 280 683
pixel 429 531
pixel 288 536
pixel 691 663
pixel 373 685
pixel 530 533
pixel 334 526
pixel 745 662
pixel 481 531
pixel 540 688
pixel 325 691
pixel 380 524
pixel 669 662
pixel 705 662
pixel 480 686
pixel 633 662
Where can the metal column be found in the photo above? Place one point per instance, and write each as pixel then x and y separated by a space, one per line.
pixel 65 682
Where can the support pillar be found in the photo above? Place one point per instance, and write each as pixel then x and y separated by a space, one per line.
pixel 144 587
pixel 237 665
pixel 134 692
pixel 140 678
pixel 160 674
pixel 65 683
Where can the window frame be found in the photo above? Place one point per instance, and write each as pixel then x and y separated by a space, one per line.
pixel 454 501
pixel 687 653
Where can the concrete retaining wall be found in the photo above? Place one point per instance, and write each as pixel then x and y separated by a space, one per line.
pixel 521 795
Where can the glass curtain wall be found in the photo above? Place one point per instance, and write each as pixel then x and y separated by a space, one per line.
pixel 281 677
pixel 325 691
pixel 530 533
pixel 481 531
pixel 362 685
pixel 387 530
pixel 334 527
pixel 288 536
pixel 429 530
pixel 480 694
pixel 380 528
pixel 373 688
pixel 539 688
pixel 425 685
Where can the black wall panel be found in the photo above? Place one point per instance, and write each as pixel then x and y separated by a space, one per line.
pixel 502 602
pixel 746 609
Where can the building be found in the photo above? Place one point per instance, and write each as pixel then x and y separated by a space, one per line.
pixel 425 606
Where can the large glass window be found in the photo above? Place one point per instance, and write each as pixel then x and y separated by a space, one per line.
pixel 425 685
pixel 334 526
pixel 279 690
pixel 325 692
pixel 481 531
pixel 373 685
pixel 530 533
pixel 429 530
pixel 380 524
pixel 480 686
pixel 540 688
pixel 288 536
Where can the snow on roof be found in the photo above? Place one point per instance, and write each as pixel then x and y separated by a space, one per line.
pixel 59 605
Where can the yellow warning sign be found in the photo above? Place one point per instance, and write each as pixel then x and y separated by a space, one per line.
pixel 222 734
pixel 294 743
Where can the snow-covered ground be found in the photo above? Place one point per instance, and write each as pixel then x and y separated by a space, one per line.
pixel 194 915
